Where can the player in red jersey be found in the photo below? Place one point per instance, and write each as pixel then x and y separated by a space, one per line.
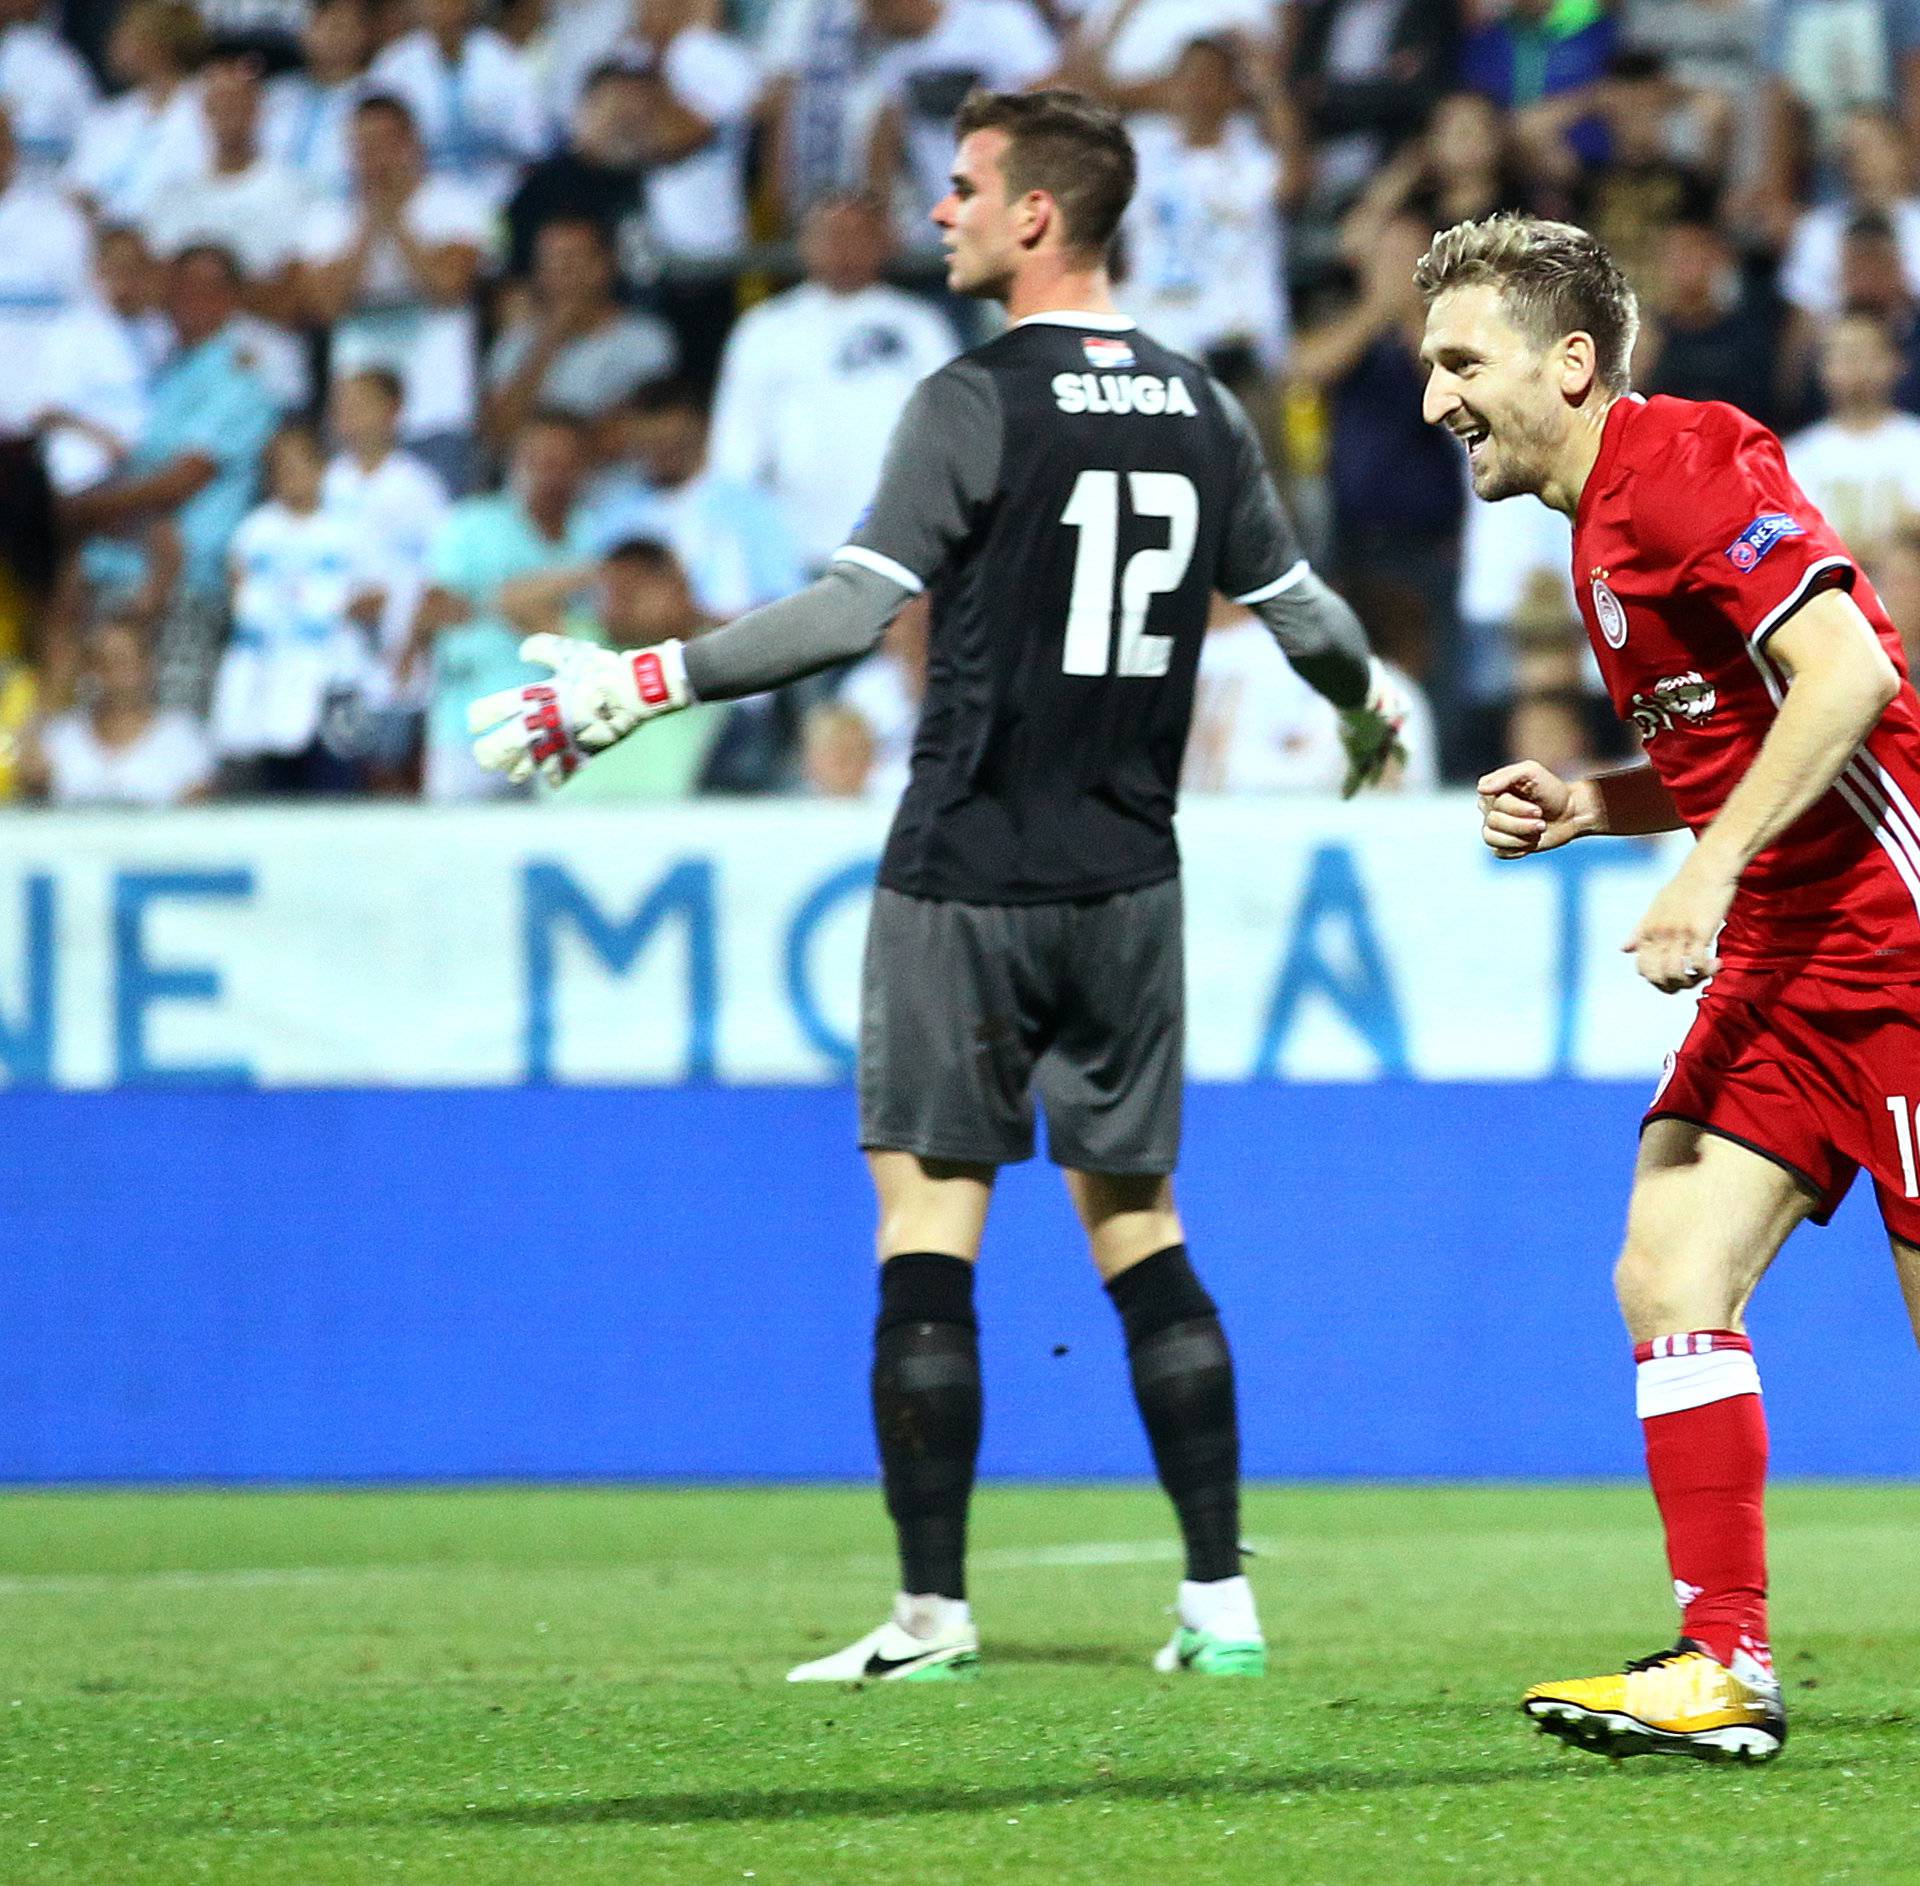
pixel 1767 685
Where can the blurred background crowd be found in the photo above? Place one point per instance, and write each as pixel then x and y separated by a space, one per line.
pixel 342 342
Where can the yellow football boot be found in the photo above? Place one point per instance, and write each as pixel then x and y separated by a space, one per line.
pixel 1680 1702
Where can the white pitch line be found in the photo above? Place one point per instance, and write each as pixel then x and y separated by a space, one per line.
pixel 1092 1552
pixel 289 1577
pixel 235 1578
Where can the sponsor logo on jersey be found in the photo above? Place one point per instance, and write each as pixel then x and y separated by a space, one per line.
pixel 1753 543
pixel 1107 354
pixel 1676 701
pixel 1122 393
pixel 1609 613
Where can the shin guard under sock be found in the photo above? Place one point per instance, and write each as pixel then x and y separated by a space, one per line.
pixel 1183 1382
pixel 926 1414
pixel 1699 1404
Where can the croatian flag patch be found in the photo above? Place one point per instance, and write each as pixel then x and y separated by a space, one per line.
pixel 1106 353
pixel 1759 537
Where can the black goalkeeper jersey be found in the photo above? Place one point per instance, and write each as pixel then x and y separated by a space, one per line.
pixel 1071 494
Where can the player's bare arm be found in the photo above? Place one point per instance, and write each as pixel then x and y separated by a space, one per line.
pixel 1526 807
pixel 1841 683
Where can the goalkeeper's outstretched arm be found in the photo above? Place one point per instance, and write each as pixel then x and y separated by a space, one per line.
pixel 941 468
pixel 840 615
pixel 599 695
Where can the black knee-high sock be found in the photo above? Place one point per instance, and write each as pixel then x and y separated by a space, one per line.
pixel 926 1413
pixel 1183 1382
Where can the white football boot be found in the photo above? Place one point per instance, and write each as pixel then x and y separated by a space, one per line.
pixel 928 1639
pixel 1218 1633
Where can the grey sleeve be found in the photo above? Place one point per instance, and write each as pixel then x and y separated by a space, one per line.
pixel 1322 637
pixel 1263 567
pixel 841 615
pixel 942 466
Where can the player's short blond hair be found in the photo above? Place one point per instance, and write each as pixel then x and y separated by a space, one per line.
pixel 1554 280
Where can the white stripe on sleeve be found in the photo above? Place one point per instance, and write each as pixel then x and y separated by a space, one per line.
pixel 880 566
pixel 1279 586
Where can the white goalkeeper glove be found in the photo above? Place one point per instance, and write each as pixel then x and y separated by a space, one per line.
pixel 1370 733
pixel 596 696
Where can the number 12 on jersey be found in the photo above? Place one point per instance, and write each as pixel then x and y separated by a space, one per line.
pixel 1093 511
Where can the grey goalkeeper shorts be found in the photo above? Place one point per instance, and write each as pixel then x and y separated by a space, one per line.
pixel 967 1009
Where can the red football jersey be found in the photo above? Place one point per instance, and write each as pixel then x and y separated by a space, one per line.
pixel 1692 545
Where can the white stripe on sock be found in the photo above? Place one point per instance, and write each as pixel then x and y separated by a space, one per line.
pixel 1665 1384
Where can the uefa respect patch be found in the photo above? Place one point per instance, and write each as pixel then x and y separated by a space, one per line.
pixel 1759 537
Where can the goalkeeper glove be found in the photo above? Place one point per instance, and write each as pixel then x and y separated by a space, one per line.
pixel 1370 733
pixel 596 696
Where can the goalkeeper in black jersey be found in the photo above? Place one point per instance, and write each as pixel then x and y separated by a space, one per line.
pixel 1071 494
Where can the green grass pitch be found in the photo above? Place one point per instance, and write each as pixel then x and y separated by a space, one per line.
pixel 548 1687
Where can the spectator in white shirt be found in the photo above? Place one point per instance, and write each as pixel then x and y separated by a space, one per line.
pixel 270 29
pixel 300 574
pixel 392 270
pixel 45 266
pixel 136 147
pixel 886 690
pixel 838 757
pixel 1257 727
pixel 702 85
pixel 598 173
pixel 117 748
pixel 578 35
pixel 575 349
pixel 472 94
pixel 131 287
pixel 727 534
pixel 842 343
pixel 699 86
pixel 251 205
pixel 934 52
pixel 1878 162
pixel 391 501
pixel 813 53
pixel 1861 465
pixel 1127 49
pixel 44 86
pixel 97 363
pixel 309 113
pixel 1206 238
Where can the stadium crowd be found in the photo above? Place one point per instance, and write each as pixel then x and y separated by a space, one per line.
pixel 344 341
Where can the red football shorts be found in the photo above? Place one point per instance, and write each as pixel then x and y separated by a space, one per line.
pixel 1821 1077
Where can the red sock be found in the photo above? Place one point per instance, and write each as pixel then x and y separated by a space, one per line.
pixel 1699 1401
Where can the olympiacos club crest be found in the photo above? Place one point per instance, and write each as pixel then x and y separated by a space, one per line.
pixel 1606 608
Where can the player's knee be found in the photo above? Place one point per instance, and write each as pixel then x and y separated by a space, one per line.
pixel 921 1287
pixel 1639 1285
pixel 1662 1292
pixel 1159 1293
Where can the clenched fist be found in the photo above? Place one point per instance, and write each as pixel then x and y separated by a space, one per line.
pixel 1525 808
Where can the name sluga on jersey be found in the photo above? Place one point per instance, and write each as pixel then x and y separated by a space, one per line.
pixel 1122 393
